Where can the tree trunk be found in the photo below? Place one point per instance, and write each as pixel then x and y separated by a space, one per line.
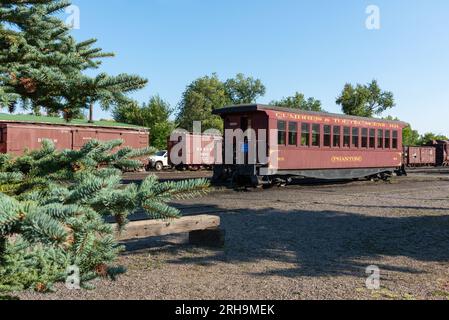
pixel 91 113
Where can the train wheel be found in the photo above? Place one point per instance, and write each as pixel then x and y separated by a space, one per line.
pixel 267 186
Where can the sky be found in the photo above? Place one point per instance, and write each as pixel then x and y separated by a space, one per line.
pixel 310 46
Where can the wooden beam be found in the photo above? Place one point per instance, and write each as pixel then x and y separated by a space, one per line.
pixel 154 228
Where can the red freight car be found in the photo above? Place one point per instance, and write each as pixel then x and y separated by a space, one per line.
pixel 194 151
pixel 22 132
pixel 306 144
pixel 420 156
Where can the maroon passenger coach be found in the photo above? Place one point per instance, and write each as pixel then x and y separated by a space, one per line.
pixel 20 133
pixel 313 145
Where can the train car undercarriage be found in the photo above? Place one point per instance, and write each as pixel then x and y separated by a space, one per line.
pixel 250 175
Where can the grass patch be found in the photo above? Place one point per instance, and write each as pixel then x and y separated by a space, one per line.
pixel 441 294
pixel 54 120
pixel 8 298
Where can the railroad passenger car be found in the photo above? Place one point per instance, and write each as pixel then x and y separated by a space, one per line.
pixel 19 133
pixel 311 144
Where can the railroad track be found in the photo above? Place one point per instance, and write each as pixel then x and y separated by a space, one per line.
pixel 440 170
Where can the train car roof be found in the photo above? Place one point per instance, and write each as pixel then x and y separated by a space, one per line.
pixel 260 107
pixel 31 119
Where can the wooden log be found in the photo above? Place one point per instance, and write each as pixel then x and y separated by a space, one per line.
pixel 154 228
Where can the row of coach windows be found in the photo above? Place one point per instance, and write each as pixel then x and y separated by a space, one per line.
pixel 335 136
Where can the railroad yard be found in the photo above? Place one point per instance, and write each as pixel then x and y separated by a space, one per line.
pixel 305 241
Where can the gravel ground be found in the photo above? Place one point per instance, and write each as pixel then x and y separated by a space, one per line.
pixel 300 242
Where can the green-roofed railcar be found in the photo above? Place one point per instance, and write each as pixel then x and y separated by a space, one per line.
pixel 19 133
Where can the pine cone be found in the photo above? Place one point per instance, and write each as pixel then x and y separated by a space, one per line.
pixel 22 216
pixel 41 287
pixel 102 270
pixel 70 240
pixel 29 85
pixel 13 78
pixel 76 167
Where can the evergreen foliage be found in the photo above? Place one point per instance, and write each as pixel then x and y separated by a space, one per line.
pixel 43 67
pixel 53 206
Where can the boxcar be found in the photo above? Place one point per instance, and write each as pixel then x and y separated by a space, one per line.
pixel 420 156
pixel 19 133
pixel 309 144
pixel 200 151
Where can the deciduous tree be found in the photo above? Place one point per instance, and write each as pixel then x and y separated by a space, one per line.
pixel 410 137
pixel 208 93
pixel 198 101
pixel 154 115
pixel 298 101
pixel 244 90
pixel 365 100
pixel 429 137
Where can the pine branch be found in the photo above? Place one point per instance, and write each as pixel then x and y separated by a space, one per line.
pixel 54 214
pixel 11 212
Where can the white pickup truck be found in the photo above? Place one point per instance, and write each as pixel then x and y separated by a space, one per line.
pixel 159 161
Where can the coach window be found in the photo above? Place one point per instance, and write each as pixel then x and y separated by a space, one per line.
pixel 1 135
pixel 380 139
pixel 316 135
pixel 327 136
pixel 305 135
pixel 346 137
pixel 337 135
pixel 387 139
pixel 292 133
pixel 364 138
pixel 395 139
pixel 355 137
pixel 372 138
pixel 281 132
